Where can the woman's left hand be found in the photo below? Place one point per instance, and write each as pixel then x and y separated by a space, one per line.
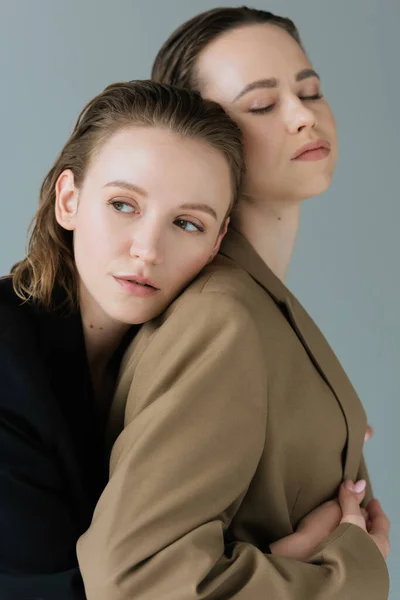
pixel 314 528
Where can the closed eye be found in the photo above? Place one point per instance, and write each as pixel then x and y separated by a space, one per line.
pixel 188 225
pixel 265 109
pixel 314 97
pixel 262 110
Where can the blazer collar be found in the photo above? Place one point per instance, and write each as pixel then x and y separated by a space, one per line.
pixel 238 249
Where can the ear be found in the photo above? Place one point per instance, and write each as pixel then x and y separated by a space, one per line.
pixel 66 206
pixel 221 236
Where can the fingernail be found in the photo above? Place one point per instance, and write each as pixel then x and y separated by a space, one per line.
pixel 360 486
pixel 349 485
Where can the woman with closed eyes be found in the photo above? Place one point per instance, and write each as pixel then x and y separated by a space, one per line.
pixel 235 428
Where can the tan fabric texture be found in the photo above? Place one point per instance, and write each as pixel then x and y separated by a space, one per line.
pixel 232 420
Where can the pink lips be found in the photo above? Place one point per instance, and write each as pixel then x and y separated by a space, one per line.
pixel 313 151
pixel 137 285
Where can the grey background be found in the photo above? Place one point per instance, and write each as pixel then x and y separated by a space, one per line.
pixel 54 56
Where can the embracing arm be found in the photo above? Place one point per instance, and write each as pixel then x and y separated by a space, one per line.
pixel 195 432
pixel 37 530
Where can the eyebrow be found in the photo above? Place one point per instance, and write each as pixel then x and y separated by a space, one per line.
pixel 127 185
pixel 272 82
pixel 305 74
pixel 203 207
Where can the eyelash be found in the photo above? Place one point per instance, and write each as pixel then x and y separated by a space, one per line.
pixel 265 109
pixel 199 228
pixel 113 203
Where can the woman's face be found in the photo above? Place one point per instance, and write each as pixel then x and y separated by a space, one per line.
pixel 263 79
pixel 146 220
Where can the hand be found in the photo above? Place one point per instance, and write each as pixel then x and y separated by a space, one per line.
pixel 368 434
pixel 376 525
pixel 313 529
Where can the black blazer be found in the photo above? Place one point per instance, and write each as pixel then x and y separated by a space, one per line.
pixel 52 466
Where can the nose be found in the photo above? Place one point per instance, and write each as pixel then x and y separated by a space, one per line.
pixel 146 244
pixel 298 116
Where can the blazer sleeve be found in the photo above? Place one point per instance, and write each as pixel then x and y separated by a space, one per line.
pixel 37 529
pixel 194 433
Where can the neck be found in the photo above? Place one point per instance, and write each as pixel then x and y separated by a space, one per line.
pixel 102 335
pixel 271 228
pixel 101 342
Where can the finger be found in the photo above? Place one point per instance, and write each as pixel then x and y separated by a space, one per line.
pixel 332 513
pixel 330 504
pixel 375 509
pixel 365 514
pixel 360 496
pixel 350 506
pixel 348 499
pixel 359 488
pixel 379 523
pixel 369 433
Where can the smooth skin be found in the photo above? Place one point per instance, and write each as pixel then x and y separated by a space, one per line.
pixel 153 205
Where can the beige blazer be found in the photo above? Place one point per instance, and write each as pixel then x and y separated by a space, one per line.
pixel 232 420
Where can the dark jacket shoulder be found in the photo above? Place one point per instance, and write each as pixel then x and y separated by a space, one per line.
pixel 51 460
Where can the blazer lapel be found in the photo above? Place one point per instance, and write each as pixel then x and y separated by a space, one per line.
pixel 238 249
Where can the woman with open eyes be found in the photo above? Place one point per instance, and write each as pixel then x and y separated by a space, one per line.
pixel 235 428
pixel 145 161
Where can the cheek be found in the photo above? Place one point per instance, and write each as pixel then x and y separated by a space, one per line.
pixel 327 121
pixel 329 128
pixel 95 239
pixel 186 266
pixel 262 141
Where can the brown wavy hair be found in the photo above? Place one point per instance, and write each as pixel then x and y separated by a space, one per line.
pixel 176 61
pixel 49 264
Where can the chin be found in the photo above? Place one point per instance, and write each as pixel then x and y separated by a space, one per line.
pixel 130 318
pixel 139 317
pixel 317 186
